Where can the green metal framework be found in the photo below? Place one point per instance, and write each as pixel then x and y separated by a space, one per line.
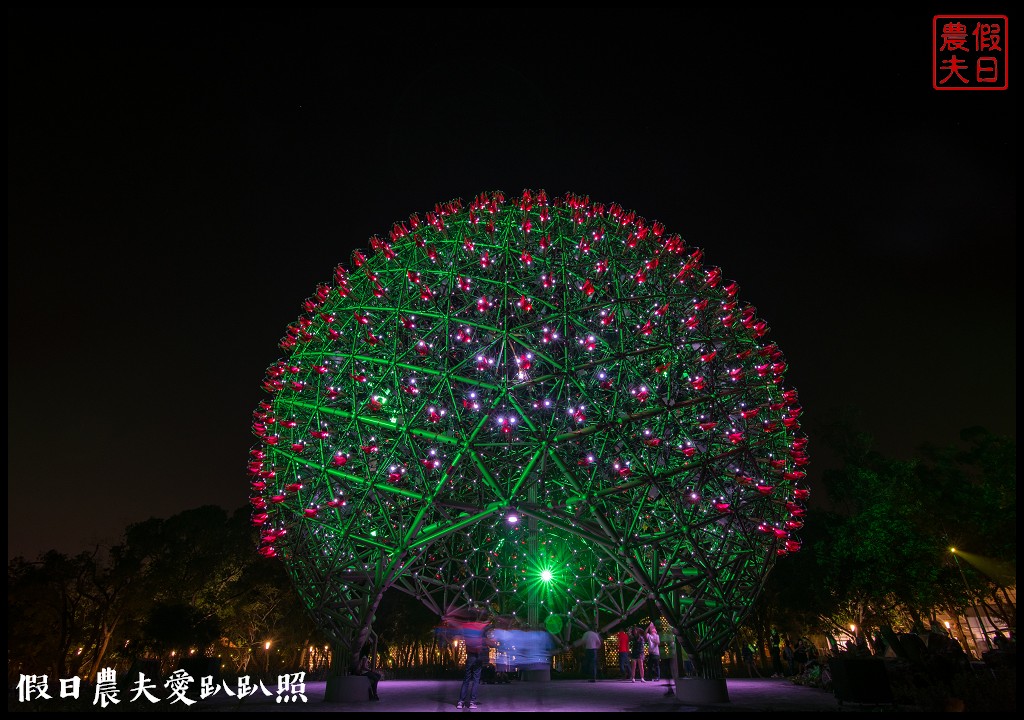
pixel 554 360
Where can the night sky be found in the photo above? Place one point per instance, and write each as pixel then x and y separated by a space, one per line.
pixel 180 181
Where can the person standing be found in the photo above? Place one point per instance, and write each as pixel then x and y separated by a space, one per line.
pixel 878 644
pixel 479 640
pixel 591 644
pixel 653 652
pixel 687 662
pixel 623 638
pixel 748 660
pixel 799 656
pixel 803 655
pixel 776 653
pixel 789 657
pixel 637 643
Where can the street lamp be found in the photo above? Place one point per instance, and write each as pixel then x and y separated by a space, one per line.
pixel 266 647
pixel 970 594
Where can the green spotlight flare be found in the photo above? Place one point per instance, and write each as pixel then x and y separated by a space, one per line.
pixel 548 407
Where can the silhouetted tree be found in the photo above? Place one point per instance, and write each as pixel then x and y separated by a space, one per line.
pixel 47 613
pixel 876 551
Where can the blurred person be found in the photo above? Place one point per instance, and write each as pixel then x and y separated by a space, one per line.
pixel 672 647
pixel 479 639
pixel 689 669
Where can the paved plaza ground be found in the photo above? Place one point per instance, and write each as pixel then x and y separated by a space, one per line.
pixel 745 695
pixel 560 695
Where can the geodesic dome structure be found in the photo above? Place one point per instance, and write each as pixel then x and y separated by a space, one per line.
pixel 549 407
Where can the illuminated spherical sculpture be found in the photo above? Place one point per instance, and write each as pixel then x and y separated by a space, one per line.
pixel 547 406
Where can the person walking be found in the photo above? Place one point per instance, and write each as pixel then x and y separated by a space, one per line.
pixel 591 644
pixel 653 652
pixel 479 640
pixel 637 643
pixel 623 638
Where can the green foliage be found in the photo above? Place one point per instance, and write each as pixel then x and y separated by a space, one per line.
pixel 188 583
pixel 881 546
pixel 48 612
pixel 877 548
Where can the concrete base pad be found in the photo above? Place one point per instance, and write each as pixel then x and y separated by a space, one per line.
pixel 347 688
pixel 542 674
pixel 702 691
